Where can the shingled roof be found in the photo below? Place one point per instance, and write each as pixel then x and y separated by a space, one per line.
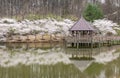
pixel 82 24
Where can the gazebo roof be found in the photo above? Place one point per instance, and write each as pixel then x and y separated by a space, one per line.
pixel 82 25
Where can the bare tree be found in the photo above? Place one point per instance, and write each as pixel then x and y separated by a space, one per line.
pixel 63 8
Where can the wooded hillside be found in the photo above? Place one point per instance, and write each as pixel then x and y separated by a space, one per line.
pixel 62 8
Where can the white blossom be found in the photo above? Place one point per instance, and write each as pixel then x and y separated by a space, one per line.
pixel 105 26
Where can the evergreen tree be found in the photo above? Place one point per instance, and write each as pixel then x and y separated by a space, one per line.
pixel 92 12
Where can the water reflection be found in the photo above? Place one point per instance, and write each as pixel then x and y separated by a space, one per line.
pixel 16 56
pixel 35 60
pixel 32 45
pixel 41 71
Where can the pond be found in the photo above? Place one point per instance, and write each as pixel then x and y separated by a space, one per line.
pixel 45 60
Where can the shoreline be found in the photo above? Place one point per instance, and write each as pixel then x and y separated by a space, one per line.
pixel 33 39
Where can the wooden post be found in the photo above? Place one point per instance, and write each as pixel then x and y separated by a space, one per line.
pixel 74 38
pixel 91 40
pixel 77 36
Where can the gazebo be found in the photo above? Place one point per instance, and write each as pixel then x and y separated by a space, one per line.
pixel 82 33
pixel 82 28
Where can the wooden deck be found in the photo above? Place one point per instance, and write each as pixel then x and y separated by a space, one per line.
pixel 99 40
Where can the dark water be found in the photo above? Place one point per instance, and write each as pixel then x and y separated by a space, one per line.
pixel 55 61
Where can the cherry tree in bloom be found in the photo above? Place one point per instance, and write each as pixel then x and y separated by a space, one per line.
pixel 41 26
pixel 106 26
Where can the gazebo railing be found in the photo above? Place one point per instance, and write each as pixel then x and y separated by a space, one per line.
pixel 81 39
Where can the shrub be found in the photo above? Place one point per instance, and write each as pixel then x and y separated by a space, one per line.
pixel 92 12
